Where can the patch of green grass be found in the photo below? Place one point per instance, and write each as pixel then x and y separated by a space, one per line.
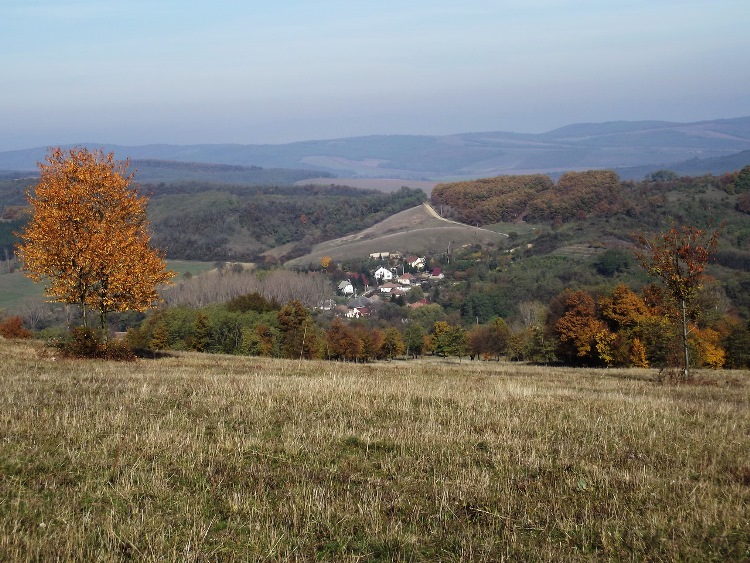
pixel 15 287
pixel 197 457
pixel 193 266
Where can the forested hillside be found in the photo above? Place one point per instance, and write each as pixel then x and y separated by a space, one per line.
pixel 240 222
pixel 597 194
pixel 153 171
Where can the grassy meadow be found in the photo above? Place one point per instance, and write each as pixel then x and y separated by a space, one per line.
pixel 203 457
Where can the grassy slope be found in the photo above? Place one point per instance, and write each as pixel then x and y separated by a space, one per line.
pixel 411 231
pixel 208 457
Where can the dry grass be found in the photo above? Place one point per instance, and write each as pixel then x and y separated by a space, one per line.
pixel 413 231
pixel 200 457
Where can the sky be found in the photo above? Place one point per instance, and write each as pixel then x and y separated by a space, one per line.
pixel 136 72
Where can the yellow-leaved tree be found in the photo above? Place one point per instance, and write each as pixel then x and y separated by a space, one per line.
pixel 88 238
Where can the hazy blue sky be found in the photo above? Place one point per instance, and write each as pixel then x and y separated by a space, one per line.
pixel 168 71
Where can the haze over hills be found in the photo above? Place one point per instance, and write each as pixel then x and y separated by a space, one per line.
pixel 631 147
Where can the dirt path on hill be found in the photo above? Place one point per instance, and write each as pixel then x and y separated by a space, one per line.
pixel 431 211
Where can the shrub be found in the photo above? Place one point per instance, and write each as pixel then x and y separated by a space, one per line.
pixel 12 327
pixel 119 351
pixel 85 343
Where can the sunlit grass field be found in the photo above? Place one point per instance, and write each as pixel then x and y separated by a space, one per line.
pixel 203 457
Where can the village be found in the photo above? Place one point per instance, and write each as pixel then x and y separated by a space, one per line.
pixel 397 278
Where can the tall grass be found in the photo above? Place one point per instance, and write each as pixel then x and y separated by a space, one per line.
pixel 204 457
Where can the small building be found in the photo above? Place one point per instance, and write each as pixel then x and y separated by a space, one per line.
pixel 416 262
pixel 380 255
pixel 346 287
pixel 361 301
pixel 383 274
pixel 390 288
pixel 327 305
pixel 357 313
pixel 406 279
pixel 437 274
pixel 341 310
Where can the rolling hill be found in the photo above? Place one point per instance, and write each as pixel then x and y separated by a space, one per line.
pixel 418 230
pixel 616 145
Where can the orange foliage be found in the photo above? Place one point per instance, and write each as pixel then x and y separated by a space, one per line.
pixel 490 200
pixel 678 258
pixel 637 356
pixel 581 329
pixel 624 308
pixel 88 238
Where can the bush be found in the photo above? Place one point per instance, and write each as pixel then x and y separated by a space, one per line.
pixel 82 343
pixel 12 327
pixel 119 351
pixel 85 343
pixel 613 262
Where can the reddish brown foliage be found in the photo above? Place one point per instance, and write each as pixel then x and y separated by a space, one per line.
pixel 12 327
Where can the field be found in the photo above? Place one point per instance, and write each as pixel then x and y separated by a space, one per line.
pixel 414 231
pixel 201 457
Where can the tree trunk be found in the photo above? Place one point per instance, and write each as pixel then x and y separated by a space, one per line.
pixel 103 321
pixel 686 369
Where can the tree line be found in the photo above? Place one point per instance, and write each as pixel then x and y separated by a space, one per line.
pixel 578 196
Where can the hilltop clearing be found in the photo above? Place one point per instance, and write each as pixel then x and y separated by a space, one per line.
pixel 419 230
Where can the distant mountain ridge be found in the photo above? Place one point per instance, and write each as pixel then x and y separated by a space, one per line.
pixel 621 145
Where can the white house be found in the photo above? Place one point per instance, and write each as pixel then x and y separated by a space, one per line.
pixel 357 312
pixel 383 274
pixel 346 287
pixel 416 262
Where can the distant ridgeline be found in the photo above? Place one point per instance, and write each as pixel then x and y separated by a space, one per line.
pixel 582 195
pixel 166 171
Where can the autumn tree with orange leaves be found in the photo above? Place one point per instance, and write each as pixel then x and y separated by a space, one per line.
pixel 88 238
pixel 678 258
